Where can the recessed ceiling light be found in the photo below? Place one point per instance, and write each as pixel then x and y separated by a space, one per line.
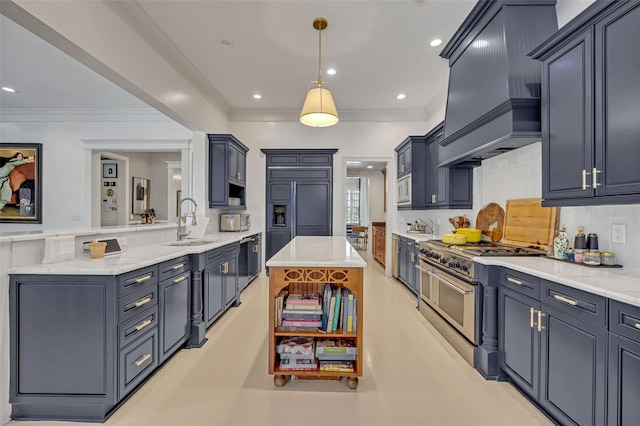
pixel 331 71
pixel 435 42
pixel 369 167
pixel 401 96
pixel 257 96
pixel 480 43
pixel 226 43
pixel 9 89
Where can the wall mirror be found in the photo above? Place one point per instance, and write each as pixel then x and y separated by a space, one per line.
pixel 140 195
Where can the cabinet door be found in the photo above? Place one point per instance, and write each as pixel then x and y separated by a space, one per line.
pixel 312 213
pixel 213 290
pixel 402 259
pixel 567 132
pixel 232 161
pixel 624 381
pixel 617 113
pixel 573 369
pixel 241 167
pixel 401 166
pixel 519 339
pixel 218 175
pixel 231 280
pixel 276 240
pixel 174 313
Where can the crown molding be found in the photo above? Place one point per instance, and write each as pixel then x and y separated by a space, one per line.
pixel 82 115
pixel 136 17
pixel 350 115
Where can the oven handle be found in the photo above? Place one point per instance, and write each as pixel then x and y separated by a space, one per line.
pixel 421 269
pixel 453 286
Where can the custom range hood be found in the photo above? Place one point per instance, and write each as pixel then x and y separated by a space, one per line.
pixel 493 102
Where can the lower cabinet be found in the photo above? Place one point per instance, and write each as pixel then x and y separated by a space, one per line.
pixel 554 346
pixel 220 281
pixel 378 246
pixel 407 259
pixel 175 322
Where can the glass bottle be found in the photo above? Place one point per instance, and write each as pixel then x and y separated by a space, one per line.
pixel 561 244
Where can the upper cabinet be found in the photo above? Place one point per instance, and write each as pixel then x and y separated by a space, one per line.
pixel 227 172
pixel 427 186
pixel 590 108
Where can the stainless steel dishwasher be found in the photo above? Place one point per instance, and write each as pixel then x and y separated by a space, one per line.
pixel 394 255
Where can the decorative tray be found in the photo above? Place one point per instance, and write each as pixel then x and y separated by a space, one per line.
pixel 582 264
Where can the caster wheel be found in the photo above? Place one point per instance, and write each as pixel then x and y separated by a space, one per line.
pixel 280 380
pixel 352 383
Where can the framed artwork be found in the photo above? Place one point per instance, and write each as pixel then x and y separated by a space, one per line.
pixel 140 195
pixel 109 170
pixel 20 182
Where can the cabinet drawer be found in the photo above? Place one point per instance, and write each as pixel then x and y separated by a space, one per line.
pixel 624 319
pixel 137 326
pixel 136 280
pixel 580 304
pixel 522 283
pixel 133 304
pixel 316 159
pixel 173 267
pixel 137 362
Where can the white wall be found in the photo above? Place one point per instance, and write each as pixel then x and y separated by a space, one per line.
pixel 376 193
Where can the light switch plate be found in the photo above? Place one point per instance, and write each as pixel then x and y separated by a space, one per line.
pixel 618 233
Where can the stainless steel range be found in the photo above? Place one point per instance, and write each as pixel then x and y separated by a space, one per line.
pixel 449 295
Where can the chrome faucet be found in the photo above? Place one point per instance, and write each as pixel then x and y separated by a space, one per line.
pixel 181 232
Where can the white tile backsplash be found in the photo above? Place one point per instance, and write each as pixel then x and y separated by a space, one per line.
pixel 518 174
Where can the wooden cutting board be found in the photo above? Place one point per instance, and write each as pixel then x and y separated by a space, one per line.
pixel 527 223
pixel 490 221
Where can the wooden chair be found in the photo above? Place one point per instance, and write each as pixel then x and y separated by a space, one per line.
pixel 359 234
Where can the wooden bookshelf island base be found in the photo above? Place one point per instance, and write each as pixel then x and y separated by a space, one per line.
pixel 304 266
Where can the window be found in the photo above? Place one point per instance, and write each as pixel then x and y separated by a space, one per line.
pixel 353 201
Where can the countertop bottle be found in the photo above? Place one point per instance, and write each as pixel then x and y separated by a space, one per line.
pixel 579 245
pixel 560 244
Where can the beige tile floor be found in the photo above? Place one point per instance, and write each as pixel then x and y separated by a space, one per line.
pixel 411 376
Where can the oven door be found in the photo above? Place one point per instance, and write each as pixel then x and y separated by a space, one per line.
pixel 425 282
pixel 454 299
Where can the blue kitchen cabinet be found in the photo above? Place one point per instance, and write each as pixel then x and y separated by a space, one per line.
pixel 174 305
pixel 227 172
pixel 624 364
pixel 411 157
pixel 404 156
pixel 589 130
pixel 220 281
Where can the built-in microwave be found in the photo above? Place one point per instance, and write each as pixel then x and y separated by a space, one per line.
pixel 404 190
pixel 234 222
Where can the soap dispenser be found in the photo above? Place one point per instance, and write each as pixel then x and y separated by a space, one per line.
pixel 579 245
pixel 561 244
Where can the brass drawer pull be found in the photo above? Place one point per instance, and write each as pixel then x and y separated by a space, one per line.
pixel 182 278
pixel 514 281
pixel 540 327
pixel 532 322
pixel 143 302
pixel 238 175
pixel 142 359
pixel 143 324
pixel 178 266
pixel 565 300
pixel 638 325
pixel 143 279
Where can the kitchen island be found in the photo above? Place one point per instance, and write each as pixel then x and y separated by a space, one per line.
pixel 304 266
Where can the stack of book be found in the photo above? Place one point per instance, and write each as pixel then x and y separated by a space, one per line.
pixel 302 311
pixel 337 355
pixel 339 309
pixel 279 306
pixel 297 353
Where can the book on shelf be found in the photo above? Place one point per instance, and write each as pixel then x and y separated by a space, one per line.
pixel 298 364
pixel 305 323
pixel 335 346
pixel 336 312
pixel 346 366
pixel 350 309
pixel 355 314
pixel 296 345
pixel 294 307
pixel 336 357
pixel 326 303
pixel 303 299
pixel 341 316
pixel 331 311
pixel 311 357
pixel 292 313
pixel 279 307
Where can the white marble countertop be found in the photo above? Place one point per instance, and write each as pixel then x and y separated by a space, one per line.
pixel 131 258
pixel 615 283
pixel 418 236
pixel 318 252
pixel 8 237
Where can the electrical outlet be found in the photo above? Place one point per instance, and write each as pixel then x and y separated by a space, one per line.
pixel 618 233
pixel 122 241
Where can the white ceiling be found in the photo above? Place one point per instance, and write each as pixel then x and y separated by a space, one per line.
pixel 379 49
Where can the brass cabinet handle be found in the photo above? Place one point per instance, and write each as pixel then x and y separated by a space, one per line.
pixel 514 281
pixel 540 327
pixel 402 167
pixel 238 175
pixel 143 279
pixel 638 325
pixel 434 198
pixel 532 322
pixel 584 179
pixel 413 258
pixel 225 268
pixel 142 359
pixel 143 302
pixel 178 266
pixel 594 179
pixel 143 324
pixel 182 278
pixel 565 300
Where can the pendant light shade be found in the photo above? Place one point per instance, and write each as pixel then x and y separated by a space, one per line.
pixel 318 109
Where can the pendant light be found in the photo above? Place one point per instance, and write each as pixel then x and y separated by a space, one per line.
pixel 318 109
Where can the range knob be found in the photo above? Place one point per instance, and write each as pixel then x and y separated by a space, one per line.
pixel 443 260
pixel 464 268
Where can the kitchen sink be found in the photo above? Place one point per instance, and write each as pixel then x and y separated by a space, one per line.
pixel 190 243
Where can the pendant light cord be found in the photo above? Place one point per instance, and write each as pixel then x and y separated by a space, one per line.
pixel 320 57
